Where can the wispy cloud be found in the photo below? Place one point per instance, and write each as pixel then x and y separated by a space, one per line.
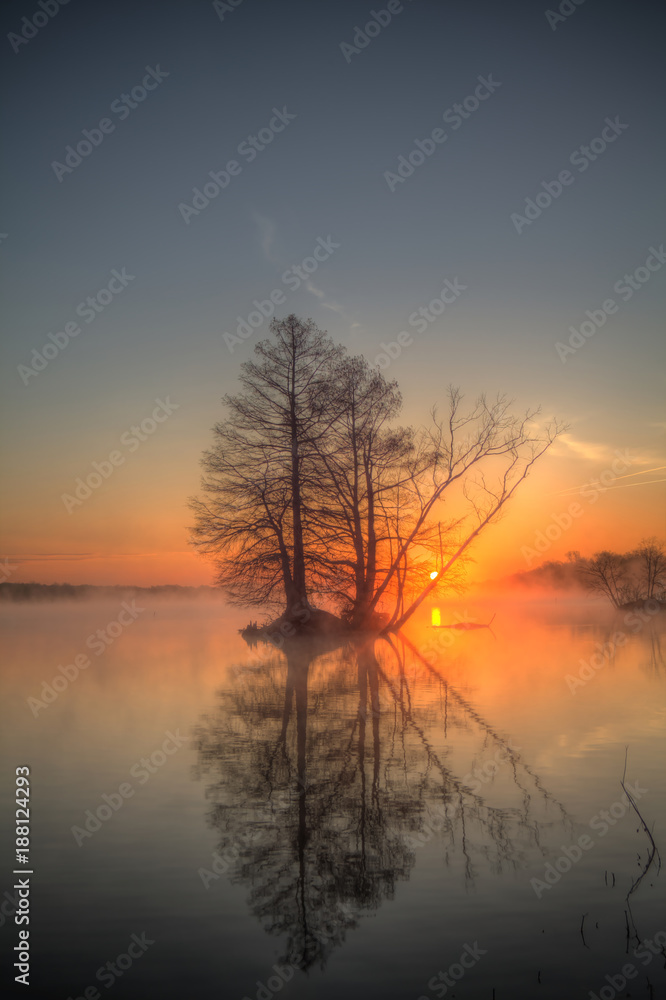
pixel 83 556
pixel 49 556
pixel 267 233
pixel 268 238
pixel 602 453
pixel 333 306
pixel 589 450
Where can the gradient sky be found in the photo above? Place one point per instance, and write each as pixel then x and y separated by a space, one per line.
pixel 321 177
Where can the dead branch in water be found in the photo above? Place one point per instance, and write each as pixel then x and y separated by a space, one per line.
pixel 467 626
pixel 654 849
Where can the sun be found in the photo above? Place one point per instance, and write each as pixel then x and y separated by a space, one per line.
pixel 434 574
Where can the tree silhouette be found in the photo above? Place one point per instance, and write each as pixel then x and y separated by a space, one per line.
pixel 258 473
pixel 326 778
pixel 627 579
pixel 362 462
pixel 311 489
pixel 652 562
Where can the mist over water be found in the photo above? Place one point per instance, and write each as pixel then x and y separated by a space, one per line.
pixel 354 813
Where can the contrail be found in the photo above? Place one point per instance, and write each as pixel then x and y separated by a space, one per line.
pixel 630 475
pixel 627 486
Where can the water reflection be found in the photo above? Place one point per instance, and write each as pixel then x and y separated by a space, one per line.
pixel 326 770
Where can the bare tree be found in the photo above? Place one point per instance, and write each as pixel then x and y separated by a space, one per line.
pixel 606 573
pixel 382 492
pixel 480 457
pixel 310 489
pixel 361 464
pixel 652 562
pixel 258 473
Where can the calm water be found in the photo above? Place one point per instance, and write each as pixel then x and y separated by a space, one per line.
pixel 362 817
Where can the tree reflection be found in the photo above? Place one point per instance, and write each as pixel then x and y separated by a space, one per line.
pixel 328 767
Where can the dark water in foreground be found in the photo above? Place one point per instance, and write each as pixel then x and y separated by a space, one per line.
pixel 365 818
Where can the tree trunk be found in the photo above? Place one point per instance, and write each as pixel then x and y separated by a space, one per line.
pixel 299 592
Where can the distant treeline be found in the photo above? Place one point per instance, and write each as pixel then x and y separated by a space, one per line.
pixel 69 591
pixel 551 575
pixel 623 577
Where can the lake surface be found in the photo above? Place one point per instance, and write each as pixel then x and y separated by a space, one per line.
pixel 364 818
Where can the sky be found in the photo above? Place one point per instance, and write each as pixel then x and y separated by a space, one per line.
pixel 321 136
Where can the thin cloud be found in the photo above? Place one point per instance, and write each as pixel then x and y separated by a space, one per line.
pixel 267 239
pixel 588 450
pixel 335 307
pixel 82 556
pixel 601 453
pixel 267 235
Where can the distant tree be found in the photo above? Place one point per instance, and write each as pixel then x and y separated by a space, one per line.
pixel 606 573
pixel 259 471
pixel 639 575
pixel 652 563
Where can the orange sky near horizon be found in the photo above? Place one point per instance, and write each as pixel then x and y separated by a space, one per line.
pixel 133 529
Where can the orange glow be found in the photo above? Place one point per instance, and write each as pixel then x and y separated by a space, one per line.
pixel 133 530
